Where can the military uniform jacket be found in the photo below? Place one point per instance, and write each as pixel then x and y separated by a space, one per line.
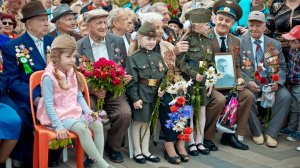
pixel 200 50
pixel 144 64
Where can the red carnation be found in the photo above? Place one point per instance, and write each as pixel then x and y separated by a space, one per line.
pixel 116 81
pixel 81 68
pixel 180 136
pixel 275 77
pixel 169 6
pixel 257 76
pixel 87 73
pixel 112 73
pixel 173 109
pixel 110 63
pixel 103 74
pixel 187 130
pixel 264 81
pixel 186 137
pixel 121 71
pixel 90 7
pixel 174 11
pixel 97 73
pixel 180 100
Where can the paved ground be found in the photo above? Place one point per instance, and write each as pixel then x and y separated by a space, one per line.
pixel 259 156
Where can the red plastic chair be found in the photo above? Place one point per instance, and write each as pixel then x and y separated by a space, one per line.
pixel 43 136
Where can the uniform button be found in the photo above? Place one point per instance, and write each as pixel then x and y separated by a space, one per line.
pixel 153 70
pixel 151 62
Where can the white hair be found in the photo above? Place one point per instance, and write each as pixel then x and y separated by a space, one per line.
pixel 150 17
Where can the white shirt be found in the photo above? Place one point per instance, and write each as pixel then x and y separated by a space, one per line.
pixel 254 47
pixel 144 9
pixel 39 43
pixel 99 49
pixel 219 39
pixel 126 43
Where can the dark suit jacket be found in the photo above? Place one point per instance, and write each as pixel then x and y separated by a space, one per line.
pixel 115 48
pixel 75 35
pixel 17 79
pixel 247 52
pixel 233 48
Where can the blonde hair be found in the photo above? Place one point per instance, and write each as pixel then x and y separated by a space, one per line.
pixel 55 58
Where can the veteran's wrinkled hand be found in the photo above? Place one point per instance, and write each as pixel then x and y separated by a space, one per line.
pixel 180 47
pixel 253 87
pixel 138 104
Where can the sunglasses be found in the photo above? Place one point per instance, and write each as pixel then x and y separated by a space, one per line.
pixel 7 23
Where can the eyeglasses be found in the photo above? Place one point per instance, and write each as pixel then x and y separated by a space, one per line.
pixel 7 23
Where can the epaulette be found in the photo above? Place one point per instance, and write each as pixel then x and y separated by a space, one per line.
pixel 134 52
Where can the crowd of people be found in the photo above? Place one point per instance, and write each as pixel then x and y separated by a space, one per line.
pixel 151 41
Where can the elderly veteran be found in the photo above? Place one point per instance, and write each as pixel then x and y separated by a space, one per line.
pixel 100 44
pixel 194 5
pixel 226 14
pixel 259 50
pixel 64 19
pixel 117 23
pixel 34 42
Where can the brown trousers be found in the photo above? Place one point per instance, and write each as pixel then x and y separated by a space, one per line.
pixel 119 114
pixel 216 106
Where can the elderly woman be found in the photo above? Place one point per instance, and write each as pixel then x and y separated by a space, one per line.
pixel 9 23
pixel 240 27
pixel 81 25
pixel 173 152
pixel 284 15
pixel 132 19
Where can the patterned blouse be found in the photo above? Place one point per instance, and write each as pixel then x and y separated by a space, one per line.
pixel 293 76
pixel 281 20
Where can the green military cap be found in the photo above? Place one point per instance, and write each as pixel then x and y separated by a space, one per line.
pixel 189 13
pixel 228 8
pixel 64 41
pixel 202 15
pixel 147 29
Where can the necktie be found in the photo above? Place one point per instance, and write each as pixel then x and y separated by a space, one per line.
pixel 39 45
pixel 223 46
pixel 259 52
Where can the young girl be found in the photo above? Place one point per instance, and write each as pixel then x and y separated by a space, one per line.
pixel 293 79
pixel 63 103
pixel 147 69
pixel 188 63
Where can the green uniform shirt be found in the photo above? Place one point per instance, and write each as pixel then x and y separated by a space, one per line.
pixel 144 64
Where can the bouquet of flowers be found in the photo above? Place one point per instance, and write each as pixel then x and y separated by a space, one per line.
pixel 179 115
pixel 95 116
pixel 105 75
pixel 60 143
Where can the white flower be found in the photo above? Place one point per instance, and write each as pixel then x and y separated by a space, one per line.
pixel 172 89
pixel 210 72
pixel 262 66
pixel 219 75
pixel 189 83
pixel 178 127
pixel 209 82
pixel 173 102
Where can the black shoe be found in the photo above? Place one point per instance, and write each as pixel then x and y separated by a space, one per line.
pixel 53 164
pixel 2 165
pixel 183 157
pixel 231 140
pixel 210 145
pixel 88 162
pixel 172 160
pixel 152 158
pixel 202 151
pixel 114 156
pixel 141 160
pixel 193 152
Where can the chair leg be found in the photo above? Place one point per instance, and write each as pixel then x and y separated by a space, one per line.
pixel 79 154
pixel 36 150
pixel 130 145
pixel 8 163
pixel 65 155
pixel 43 150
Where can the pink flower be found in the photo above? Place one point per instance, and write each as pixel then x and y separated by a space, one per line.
pixel 87 73
pixel 97 73
pixel 120 71
pixel 116 81
pixel 112 73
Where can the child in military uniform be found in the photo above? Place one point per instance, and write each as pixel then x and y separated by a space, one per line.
pixel 147 69
pixel 199 52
